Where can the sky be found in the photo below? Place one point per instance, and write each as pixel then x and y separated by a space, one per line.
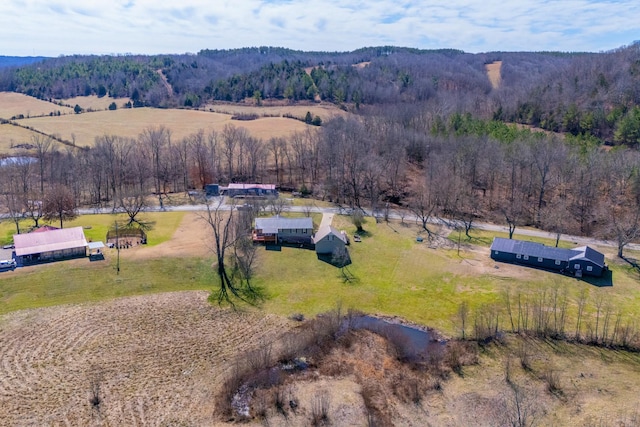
pixel 66 27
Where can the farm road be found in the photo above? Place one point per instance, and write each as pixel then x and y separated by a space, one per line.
pixel 579 240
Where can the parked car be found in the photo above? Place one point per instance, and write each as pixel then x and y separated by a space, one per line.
pixel 357 238
pixel 7 264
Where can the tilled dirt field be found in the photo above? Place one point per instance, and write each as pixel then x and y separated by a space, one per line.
pixel 150 360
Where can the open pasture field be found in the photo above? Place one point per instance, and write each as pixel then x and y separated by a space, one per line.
pixel 324 111
pixel 156 360
pixel 14 139
pixel 95 103
pixel 132 121
pixel 12 104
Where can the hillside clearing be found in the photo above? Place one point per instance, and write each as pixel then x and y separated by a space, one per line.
pixel 493 72
pixel 324 111
pixel 131 122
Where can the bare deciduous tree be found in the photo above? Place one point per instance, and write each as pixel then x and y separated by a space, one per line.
pixel 222 224
pixel 59 204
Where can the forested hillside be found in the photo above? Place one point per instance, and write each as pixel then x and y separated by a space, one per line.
pixel 16 61
pixel 593 94
pixel 429 133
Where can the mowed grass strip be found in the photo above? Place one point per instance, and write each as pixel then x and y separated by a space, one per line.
pixel 485 238
pixel 80 280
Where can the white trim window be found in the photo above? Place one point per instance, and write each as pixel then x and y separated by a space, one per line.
pixel 589 268
pixel 558 262
pixel 576 266
pixel 526 257
pixel 518 256
pixel 539 259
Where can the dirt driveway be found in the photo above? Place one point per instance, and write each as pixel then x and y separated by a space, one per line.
pixel 191 238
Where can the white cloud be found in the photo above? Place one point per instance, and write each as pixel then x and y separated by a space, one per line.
pixel 45 27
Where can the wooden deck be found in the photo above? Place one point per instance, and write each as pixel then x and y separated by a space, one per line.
pixel 262 238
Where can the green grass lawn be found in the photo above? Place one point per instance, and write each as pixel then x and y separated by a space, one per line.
pixel 485 238
pixel 80 280
pixel 391 274
pixel 395 275
pixel 96 226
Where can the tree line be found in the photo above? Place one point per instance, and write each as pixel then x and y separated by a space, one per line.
pixel 584 94
pixel 435 166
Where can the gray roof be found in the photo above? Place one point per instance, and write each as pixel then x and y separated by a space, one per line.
pixel 95 245
pixel 325 231
pixel 274 224
pixel 538 250
pixel 587 253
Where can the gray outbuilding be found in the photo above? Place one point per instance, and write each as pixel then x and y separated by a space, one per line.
pixel 328 239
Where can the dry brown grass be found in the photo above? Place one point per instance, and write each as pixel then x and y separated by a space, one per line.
pixel 94 103
pixel 158 360
pixel 12 136
pixel 13 104
pixel 493 72
pixel 131 122
pixel 322 110
pixel 188 240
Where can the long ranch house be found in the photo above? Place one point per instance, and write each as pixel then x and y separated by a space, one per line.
pixel 577 261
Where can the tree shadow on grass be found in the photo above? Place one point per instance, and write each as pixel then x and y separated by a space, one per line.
pixel 364 233
pixel 633 263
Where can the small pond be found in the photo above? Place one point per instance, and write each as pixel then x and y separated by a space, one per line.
pixel 417 344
